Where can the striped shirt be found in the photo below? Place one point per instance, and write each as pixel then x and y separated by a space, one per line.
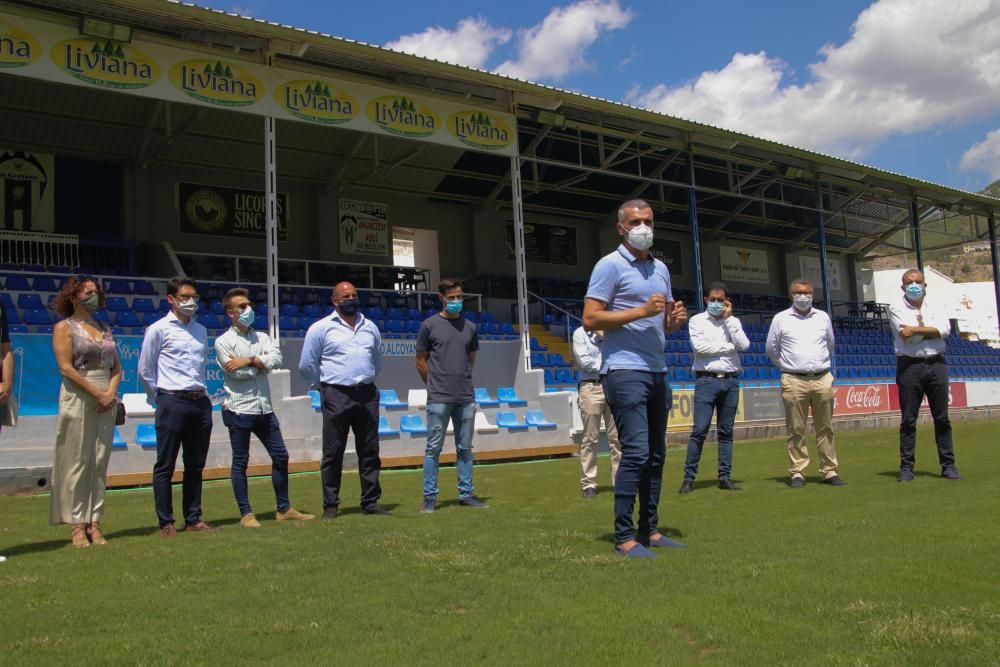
pixel 247 388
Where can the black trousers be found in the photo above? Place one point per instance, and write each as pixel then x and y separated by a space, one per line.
pixel 353 408
pixel 180 423
pixel 917 379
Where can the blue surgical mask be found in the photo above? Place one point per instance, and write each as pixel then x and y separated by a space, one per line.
pixel 715 308
pixel 247 316
pixel 453 307
pixel 914 290
pixel 348 307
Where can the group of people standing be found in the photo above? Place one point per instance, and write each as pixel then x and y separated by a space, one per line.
pixel 341 356
pixel 628 310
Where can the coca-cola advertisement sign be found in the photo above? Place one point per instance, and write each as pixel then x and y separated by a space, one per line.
pixel 855 399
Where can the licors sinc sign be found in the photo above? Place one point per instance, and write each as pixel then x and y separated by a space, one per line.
pixel 107 64
pixel 316 101
pixel 17 48
pixel 217 82
pixel 480 129
pixel 403 116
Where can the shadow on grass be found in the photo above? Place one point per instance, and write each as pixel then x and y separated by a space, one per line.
pixel 713 483
pixel 669 532
pixel 36 547
pixel 345 511
pixel 916 473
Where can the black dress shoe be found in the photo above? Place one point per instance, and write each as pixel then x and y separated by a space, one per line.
pixel 727 485
pixel 589 493
pixel 950 472
pixel 330 513
pixel 687 486
pixel 797 482
pixel 834 481
pixel 375 508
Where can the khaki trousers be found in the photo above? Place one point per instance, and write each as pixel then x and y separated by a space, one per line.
pixel 799 394
pixel 593 406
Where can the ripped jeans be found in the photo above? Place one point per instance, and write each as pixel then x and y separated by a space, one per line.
pixel 438 416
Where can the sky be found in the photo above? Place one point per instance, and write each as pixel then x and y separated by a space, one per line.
pixel 912 86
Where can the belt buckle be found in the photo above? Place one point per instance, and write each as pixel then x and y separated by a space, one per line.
pixel 720 376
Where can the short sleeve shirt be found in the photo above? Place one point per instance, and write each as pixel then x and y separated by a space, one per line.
pixel 448 344
pixel 623 281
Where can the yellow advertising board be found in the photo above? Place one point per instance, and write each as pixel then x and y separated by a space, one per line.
pixel 682 410
pixel 184 74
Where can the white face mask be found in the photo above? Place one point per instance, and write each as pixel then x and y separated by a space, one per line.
pixel 641 237
pixel 189 307
pixel 802 302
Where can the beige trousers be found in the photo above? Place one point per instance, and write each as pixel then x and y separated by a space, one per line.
pixel 83 449
pixel 593 406
pixel 799 395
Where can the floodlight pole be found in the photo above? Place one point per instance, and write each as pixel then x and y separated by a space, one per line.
pixel 991 223
pixel 519 261
pixel 915 227
pixel 693 224
pixel 821 231
pixel 271 225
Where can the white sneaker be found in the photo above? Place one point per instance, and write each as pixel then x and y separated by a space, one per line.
pixel 2 558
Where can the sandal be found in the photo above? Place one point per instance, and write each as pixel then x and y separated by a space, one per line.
pixel 79 536
pixel 95 534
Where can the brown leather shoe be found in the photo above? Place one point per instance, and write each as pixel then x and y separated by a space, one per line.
pixel 201 527
pixel 168 531
pixel 293 515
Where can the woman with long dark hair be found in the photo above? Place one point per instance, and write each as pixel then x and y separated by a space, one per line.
pixel 88 402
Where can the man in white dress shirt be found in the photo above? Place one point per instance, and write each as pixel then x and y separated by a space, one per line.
pixel 918 332
pixel 593 406
pixel 172 366
pixel 717 338
pixel 800 343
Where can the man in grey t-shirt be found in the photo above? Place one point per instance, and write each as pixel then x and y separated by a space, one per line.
pixel 446 352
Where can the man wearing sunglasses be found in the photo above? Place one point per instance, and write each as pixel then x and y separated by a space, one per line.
pixel 918 332
pixel 629 298
pixel 247 356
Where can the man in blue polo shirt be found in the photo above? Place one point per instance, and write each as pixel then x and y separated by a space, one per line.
pixel 629 298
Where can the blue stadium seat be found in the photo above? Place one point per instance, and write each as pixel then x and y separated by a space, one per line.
pixel 556 359
pixel 538 347
pixel 508 420
pixel 550 376
pixel 44 329
pixel 44 284
pixel 117 304
pixel 388 398
pixel 539 360
pixel 384 429
pixel 509 396
pixel 145 436
pixel 210 320
pixel 215 307
pixel 313 310
pixel 287 323
pixel 149 318
pixel 564 376
pixel 484 399
pixel 289 310
pixel 29 301
pixel 260 322
pixel 118 442
pixel 143 305
pixel 17 329
pixel 537 419
pixel 127 319
pixel 6 300
pixel 144 287
pixel 37 316
pixel 17 283
pixel 394 314
pixel 412 424
pixel 118 287
pixel 164 306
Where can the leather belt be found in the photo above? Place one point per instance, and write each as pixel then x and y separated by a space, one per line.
pixel 711 374
pixel 935 359
pixel 815 374
pixel 590 382
pixel 187 395
pixel 346 387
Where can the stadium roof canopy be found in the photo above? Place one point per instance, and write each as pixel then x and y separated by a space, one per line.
pixel 579 156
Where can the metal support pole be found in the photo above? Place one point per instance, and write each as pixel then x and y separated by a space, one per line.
pixel 271 225
pixel 915 226
pixel 519 261
pixel 699 303
pixel 995 256
pixel 821 233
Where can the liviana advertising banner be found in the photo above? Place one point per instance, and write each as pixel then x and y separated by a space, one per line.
pixel 53 52
pixel 744 265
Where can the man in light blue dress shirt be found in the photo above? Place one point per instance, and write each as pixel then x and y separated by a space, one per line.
pixel 172 366
pixel 630 299
pixel 342 354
